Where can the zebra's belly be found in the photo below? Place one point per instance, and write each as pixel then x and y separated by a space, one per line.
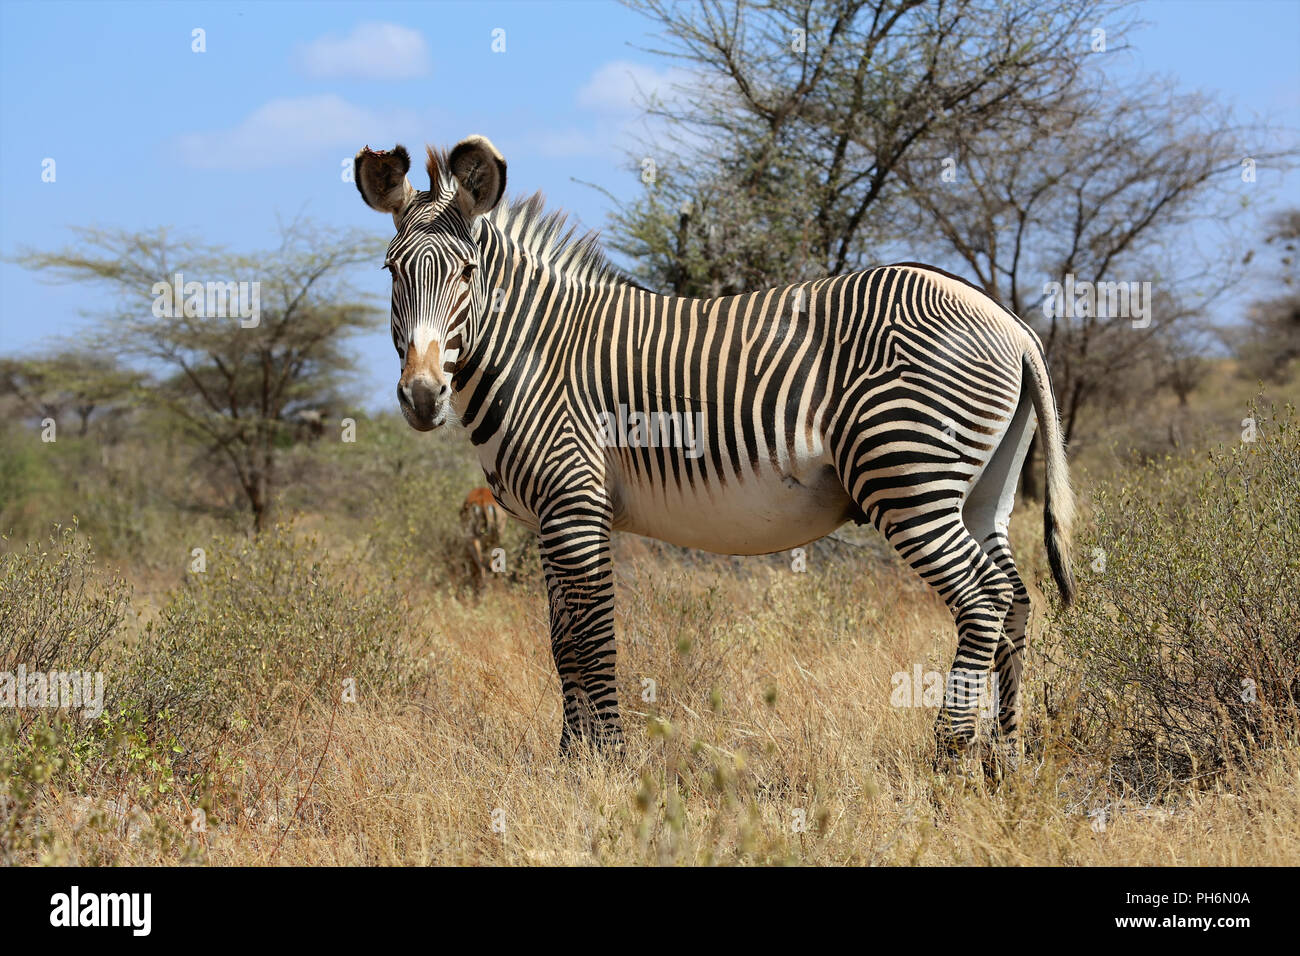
pixel 765 512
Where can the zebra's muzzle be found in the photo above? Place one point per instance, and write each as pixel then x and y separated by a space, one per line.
pixel 423 405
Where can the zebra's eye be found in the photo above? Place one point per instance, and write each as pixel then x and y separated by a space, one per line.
pixel 467 273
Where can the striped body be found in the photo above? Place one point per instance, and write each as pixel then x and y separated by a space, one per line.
pixel 781 394
pixel 899 395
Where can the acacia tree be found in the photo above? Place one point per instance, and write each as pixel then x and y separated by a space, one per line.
pixel 236 360
pixel 1270 339
pixel 75 378
pixel 782 144
pixel 1103 188
pixel 819 136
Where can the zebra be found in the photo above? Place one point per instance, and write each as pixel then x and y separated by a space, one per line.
pixel 900 396
pixel 484 525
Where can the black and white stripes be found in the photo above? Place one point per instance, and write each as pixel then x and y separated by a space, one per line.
pixel 899 395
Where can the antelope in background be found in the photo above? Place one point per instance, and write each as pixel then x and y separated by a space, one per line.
pixel 484 524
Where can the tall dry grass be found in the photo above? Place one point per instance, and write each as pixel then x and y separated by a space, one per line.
pixel 772 739
pixel 771 735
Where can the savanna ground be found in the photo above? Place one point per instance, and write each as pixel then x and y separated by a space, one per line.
pixel 1161 721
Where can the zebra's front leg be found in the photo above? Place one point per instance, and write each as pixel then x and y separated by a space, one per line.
pixel 577 710
pixel 580 583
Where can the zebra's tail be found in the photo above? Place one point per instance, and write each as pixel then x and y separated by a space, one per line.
pixel 1058 497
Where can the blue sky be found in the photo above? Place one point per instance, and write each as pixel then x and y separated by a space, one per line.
pixel 146 132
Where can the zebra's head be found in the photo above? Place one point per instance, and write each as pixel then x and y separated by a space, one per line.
pixel 438 282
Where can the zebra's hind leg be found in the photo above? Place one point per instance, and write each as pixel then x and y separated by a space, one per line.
pixel 574 545
pixel 1010 661
pixel 987 513
pixel 940 549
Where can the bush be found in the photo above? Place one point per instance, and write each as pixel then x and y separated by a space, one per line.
pixel 267 626
pixel 401 492
pixel 271 629
pixel 1184 646
pixel 127 492
pixel 406 496
pixel 52 614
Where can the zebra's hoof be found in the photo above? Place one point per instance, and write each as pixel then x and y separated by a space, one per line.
pixel 952 745
pixel 1001 758
pixel 606 744
pixel 953 752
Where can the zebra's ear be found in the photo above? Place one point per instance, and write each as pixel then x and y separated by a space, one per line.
pixel 480 172
pixel 381 179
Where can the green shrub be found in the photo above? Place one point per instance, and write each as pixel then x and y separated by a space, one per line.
pixel 268 626
pixel 132 495
pixel 270 629
pixel 1183 649
pixel 401 493
pixel 53 615
pixel 417 531
pixel 31 474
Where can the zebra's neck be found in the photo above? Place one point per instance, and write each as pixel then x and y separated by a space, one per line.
pixel 537 277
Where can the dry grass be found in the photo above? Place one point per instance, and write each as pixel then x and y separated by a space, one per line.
pixel 773 703
pixel 771 737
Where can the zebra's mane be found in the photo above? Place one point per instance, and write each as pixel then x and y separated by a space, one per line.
pixel 543 235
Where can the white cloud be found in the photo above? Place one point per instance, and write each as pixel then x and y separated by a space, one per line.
pixel 372 51
pixel 622 86
pixel 616 93
pixel 295 130
pixel 565 143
